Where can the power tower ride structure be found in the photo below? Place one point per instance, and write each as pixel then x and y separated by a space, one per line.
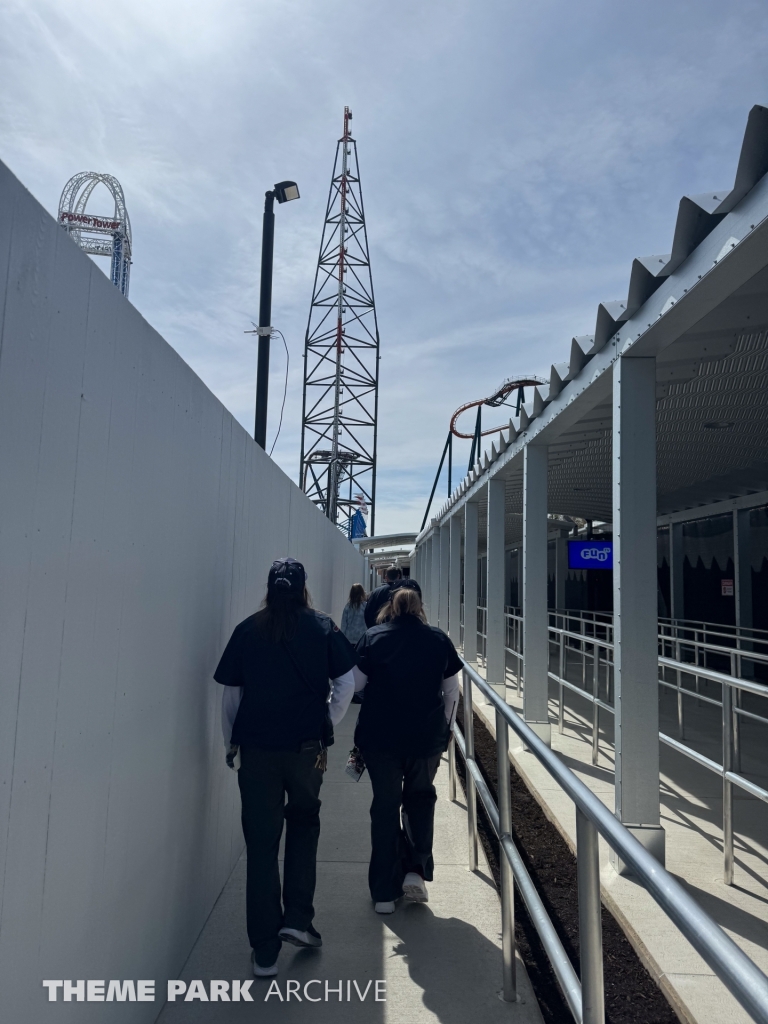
pixel 341 358
pixel 108 236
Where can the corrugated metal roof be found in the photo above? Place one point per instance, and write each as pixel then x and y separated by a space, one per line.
pixel 712 380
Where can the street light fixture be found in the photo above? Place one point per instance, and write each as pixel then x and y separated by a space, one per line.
pixel 283 192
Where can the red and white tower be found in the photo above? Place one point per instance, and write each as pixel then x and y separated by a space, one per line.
pixel 341 358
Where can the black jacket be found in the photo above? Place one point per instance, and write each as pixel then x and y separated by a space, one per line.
pixel 286 685
pixel 406 662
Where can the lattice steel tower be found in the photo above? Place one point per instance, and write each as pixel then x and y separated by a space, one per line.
pixel 341 358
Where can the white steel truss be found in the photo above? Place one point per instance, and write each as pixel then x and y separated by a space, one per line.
pixel 97 235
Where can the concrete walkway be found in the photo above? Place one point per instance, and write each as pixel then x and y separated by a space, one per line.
pixel 440 961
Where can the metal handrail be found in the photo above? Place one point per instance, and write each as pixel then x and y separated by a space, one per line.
pixel 710 648
pixel 751 644
pixel 749 633
pixel 670 629
pixel 581 637
pixel 733 967
pixel 482 636
pixel 731 714
pixel 716 677
pixel 562 966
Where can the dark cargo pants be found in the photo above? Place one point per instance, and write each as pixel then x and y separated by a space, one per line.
pixel 278 786
pixel 402 820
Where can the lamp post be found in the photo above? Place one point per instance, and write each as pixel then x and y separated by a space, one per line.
pixel 284 191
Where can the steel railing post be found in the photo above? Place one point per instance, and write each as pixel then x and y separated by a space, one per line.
pixel 727 786
pixel 561 698
pixel 736 671
pixel 452 769
pixel 590 923
pixel 698 652
pixel 518 648
pixel 509 987
pixel 679 674
pixel 469 747
pixel 595 707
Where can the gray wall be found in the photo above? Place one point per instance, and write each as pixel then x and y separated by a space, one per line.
pixel 137 524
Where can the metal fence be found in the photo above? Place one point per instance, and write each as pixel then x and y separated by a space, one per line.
pixel 482 633
pixel 584 995
pixel 699 663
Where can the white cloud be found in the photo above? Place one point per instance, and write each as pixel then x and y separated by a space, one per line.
pixel 514 157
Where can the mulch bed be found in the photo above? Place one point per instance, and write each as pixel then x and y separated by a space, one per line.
pixel 631 995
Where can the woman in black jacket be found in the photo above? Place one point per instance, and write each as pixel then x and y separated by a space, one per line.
pixel 410 673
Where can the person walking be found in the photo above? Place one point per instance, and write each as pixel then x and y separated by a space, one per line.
pixel 278 721
pixel 409 672
pixel 353 617
pixel 381 595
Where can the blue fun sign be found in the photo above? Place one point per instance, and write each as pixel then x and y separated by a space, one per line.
pixel 590 554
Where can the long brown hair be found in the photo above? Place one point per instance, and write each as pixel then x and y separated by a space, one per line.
pixel 279 614
pixel 403 602
pixel 356 594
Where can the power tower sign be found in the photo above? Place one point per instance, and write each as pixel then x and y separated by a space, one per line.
pixel 98 236
pixel 341 358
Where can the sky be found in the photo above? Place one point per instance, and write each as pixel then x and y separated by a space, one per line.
pixel 514 157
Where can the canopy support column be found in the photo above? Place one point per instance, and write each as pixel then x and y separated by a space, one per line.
pixel 445 561
pixel 434 582
pixel 426 582
pixel 454 584
pixel 635 625
pixel 495 657
pixel 470 582
pixel 676 570
pixel 535 612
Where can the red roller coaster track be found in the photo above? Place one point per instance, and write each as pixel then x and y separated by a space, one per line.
pixel 498 398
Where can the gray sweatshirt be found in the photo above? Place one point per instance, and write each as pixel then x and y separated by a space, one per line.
pixel 353 622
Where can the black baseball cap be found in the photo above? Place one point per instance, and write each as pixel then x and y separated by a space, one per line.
pixel 286 575
pixel 408 583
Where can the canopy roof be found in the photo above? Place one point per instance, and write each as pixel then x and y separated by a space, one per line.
pixel 702 312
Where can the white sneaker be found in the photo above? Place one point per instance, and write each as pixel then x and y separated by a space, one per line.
pixel 262 972
pixel 415 888
pixel 385 908
pixel 308 938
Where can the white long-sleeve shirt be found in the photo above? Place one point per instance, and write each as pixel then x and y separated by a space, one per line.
pixel 450 692
pixel 342 689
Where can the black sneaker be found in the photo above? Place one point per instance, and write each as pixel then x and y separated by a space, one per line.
pixel 309 937
pixel 262 972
